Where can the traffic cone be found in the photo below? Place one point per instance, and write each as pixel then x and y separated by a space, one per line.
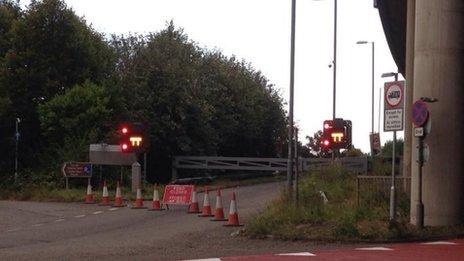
pixel 218 212
pixel 206 212
pixel 105 201
pixel 156 200
pixel 233 215
pixel 193 207
pixel 139 200
pixel 118 201
pixel 89 195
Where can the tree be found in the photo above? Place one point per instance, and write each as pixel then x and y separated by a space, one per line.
pixel 75 119
pixel 387 148
pixel 50 51
pixel 314 144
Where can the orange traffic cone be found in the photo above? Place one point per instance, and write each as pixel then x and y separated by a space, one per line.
pixel 233 215
pixel 156 200
pixel 193 207
pixel 89 195
pixel 105 201
pixel 206 212
pixel 118 201
pixel 218 213
pixel 139 200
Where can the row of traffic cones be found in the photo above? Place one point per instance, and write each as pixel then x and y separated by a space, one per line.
pixel 118 200
pixel 219 212
pixel 156 204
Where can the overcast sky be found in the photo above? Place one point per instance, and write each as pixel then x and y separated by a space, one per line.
pixel 259 32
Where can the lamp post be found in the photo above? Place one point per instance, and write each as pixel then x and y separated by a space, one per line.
pixel 392 188
pixel 334 64
pixel 373 69
pixel 290 110
pixel 17 121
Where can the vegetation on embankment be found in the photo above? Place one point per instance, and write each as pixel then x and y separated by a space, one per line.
pixel 341 218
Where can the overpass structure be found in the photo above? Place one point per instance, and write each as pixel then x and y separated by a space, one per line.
pixel 426 39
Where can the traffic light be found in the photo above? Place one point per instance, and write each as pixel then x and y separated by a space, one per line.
pixel 336 134
pixel 133 138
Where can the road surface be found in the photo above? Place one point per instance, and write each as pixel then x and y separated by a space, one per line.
pixel 74 231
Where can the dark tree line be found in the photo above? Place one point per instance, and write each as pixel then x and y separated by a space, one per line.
pixel 71 86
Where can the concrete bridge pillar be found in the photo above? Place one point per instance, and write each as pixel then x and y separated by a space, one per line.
pixel 439 73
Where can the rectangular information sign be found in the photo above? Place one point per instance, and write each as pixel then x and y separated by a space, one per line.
pixel 77 169
pixel 178 194
pixel 393 106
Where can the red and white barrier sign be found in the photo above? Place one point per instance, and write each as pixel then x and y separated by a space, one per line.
pixel 178 194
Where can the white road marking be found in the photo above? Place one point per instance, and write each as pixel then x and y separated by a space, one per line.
pixel 113 209
pixel 206 259
pixel 59 220
pixel 439 243
pixel 97 212
pixel 374 248
pixel 13 230
pixel 297 254
pixel 37 225
pixel 79 216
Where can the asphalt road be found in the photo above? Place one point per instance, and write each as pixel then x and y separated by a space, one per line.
pixel 74 231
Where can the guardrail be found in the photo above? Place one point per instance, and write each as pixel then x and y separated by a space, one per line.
pixel 355 164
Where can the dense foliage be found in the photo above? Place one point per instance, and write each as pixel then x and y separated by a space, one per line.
pixel 71 86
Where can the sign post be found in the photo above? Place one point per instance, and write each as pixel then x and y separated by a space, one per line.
pixel 420 116
pixel 393 121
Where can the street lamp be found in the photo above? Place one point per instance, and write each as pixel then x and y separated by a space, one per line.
pixel 373 68
pixel 334 62
pixel 392 189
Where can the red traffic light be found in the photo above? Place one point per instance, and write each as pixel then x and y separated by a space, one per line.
pixel 124 130
pixel 326 143
pixel 124 147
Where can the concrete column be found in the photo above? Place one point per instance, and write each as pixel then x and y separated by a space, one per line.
pixel 439 73
pixel 409 75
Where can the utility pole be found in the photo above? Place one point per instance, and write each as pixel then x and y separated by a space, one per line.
pixel 290 114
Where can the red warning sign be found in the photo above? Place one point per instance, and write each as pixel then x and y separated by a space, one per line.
pixel 178 194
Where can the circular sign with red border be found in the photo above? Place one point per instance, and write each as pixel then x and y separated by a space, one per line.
pixel 394 95
pixel 420 113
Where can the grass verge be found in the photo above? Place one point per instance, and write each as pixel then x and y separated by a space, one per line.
pixel 339 218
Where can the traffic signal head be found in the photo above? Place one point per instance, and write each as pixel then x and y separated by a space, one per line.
pixel 336 134
pixel 133 138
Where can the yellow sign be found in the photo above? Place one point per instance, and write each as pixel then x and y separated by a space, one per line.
pixel 337 136
pixel 136 141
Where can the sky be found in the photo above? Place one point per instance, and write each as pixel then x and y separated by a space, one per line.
pixel 258 31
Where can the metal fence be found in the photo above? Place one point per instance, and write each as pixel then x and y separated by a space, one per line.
pixel 375 190
pixel 354 164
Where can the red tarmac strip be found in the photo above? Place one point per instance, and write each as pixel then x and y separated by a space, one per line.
pixel 406 251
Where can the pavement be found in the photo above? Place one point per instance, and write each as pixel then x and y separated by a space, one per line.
pixel 438 250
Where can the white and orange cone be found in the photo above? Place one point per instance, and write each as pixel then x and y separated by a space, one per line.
pixel 139 200
pixel 89 195
pixel 118 201
pixel 206 212
pixel 218 212
pixel 193 207
pixel 156 206
pixel 233 215
pixel 105 200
